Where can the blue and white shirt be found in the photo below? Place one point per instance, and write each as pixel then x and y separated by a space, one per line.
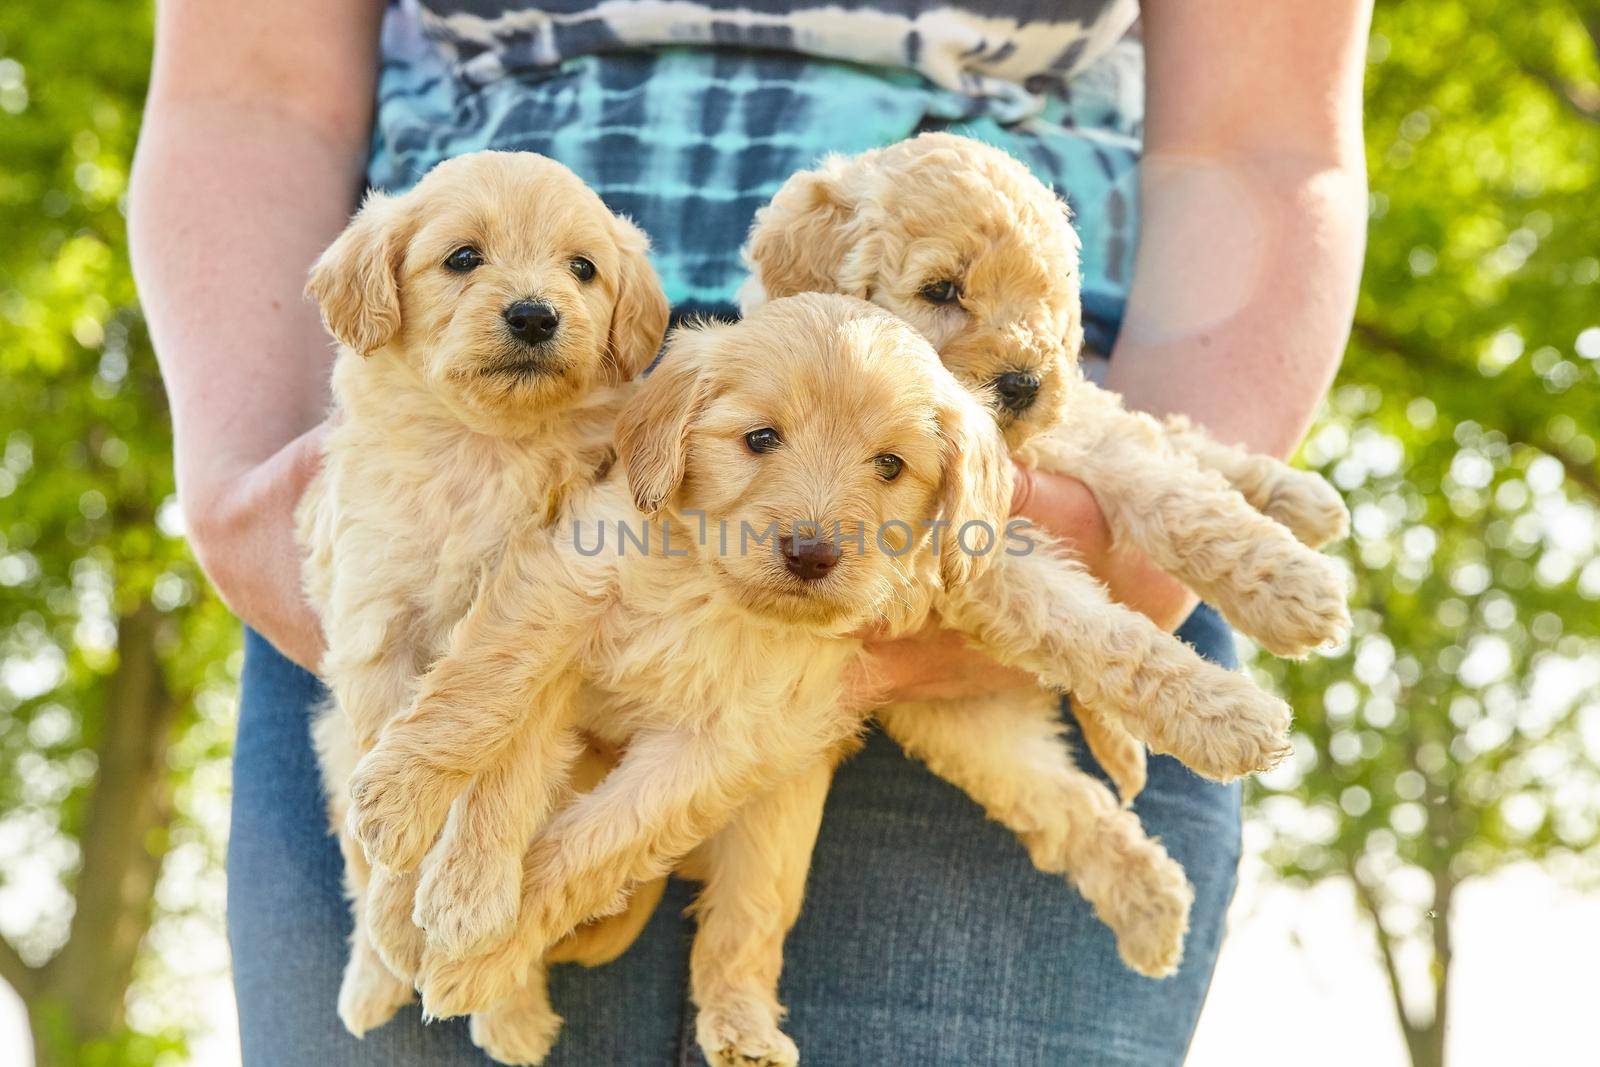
pixel 688 114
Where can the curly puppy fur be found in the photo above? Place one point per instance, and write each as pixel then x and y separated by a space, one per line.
pixel 881 225
pixel 964 244
pixel 719 673
pixel 449 434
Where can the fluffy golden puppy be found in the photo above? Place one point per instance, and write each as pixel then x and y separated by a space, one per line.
pixel 715 653
pixel 489 321
pixel 713 649
pixel 961 242
pixel 964 243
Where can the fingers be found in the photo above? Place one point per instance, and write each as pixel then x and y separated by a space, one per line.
pixel 1065 508
pixel 936 665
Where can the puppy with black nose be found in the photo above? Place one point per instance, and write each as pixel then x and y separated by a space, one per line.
pixel 828 430
pixel 489 321
pixel 531 323
pixel 964 243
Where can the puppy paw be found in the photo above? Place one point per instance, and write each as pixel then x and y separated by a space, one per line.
pixel 370 994
pixel 521 1037
pixel 452 987
pixel 1306 606
pixel 1286 597
pixel 467 898
pixel 1149 912
pixel 743 1035
pixel 393 813
pixel 1221 725
pixel 1310 507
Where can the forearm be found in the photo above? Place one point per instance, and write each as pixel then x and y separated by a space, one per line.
pixel 231 203
pixel 1241 304
pixel 1253 218
pixel 249 163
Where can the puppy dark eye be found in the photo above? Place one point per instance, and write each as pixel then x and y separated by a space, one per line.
pixel 582 269
pixel 946 292
pixel 763 440
pixel 889 466
pixel 464 259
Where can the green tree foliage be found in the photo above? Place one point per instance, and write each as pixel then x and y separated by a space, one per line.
pixel 1460 730
pixel 114 694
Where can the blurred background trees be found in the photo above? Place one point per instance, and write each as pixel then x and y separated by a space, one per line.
pixel 1459 731
pixel 115 689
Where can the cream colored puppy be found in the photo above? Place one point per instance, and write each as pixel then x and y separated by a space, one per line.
pixel 717 658
pixel 488 321
pixel 966 245
pixel 963 243
pixel 720 670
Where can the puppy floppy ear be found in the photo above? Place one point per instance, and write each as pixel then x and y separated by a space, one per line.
pixel 356 281
pixel 639 319
pixel 652 431
pixel 975 488
pixel 799 242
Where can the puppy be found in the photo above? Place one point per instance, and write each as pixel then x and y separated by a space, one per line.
pixel 720 670
pixel 965 244
pixel 489 321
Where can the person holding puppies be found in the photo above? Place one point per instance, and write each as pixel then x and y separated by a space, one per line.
pixel 927 936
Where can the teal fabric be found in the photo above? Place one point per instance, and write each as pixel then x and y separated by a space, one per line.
pixel 689 142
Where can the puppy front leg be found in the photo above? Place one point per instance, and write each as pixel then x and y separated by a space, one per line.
pixel 370 991
pixel 1196 527
pixel 1119 753
pixel 1303 501
pixel 754 871
pixel 522 1028
pixel 1007 753
pixel 471 882
pixel 671 790
pixel 1042 612
pixel 503 657
pixel 372 662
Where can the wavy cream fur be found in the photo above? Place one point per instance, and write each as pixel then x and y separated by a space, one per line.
pixel 442 448
pixel 881 226
pixel 721 676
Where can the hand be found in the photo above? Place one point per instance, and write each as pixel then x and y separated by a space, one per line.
pixel 1067 508
pixel 244 536
pixel 938 664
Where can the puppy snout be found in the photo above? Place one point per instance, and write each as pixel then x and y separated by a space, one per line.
pixel 1017 390
pixel 531 322
pixel 808 559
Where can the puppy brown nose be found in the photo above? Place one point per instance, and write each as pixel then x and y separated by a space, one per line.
pixel 807 559
pixel 531 323
pixel 1017 390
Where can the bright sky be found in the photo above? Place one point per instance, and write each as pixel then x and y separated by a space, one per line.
pixel 1298 982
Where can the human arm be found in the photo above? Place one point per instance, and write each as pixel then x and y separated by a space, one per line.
pixel 250 161
pixel 1252 231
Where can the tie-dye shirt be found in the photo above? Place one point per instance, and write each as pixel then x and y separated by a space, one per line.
pixel 688 114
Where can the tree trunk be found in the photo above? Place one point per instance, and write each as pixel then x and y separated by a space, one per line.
pixel 1444 889
pixel 77 998
pixel 1425 1041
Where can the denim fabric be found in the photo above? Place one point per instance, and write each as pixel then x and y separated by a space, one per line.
pixel 927 938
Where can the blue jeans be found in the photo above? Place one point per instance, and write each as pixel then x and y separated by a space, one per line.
pixel 927 937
